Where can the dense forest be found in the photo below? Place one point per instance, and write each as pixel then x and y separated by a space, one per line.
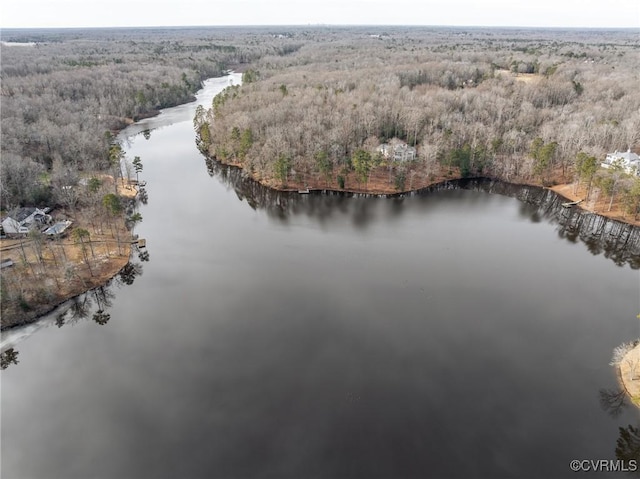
pixel 66 91
pixel 525 106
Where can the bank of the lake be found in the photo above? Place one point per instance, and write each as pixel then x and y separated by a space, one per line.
pixel 105 272
pixel 596 203
pixel 379 184
pixel 618 241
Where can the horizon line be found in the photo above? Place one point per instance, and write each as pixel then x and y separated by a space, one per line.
pixel 320 25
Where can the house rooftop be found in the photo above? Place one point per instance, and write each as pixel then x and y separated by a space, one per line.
pixel 23 213
pixel 626 155
pixel 58 228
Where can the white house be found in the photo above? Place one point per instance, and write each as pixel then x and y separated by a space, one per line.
pixel 24 219
pixel 628 160
pixel 404 153
pixel 398 152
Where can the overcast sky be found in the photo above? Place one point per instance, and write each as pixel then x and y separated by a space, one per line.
pixel 98 13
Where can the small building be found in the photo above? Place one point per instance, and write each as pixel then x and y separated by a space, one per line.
pixel 629 161
pixel 399 152
pixel 23 220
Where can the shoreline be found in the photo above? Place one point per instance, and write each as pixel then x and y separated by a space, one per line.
pixel 564 190
pixel 114 266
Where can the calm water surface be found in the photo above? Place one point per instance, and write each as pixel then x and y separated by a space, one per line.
pixel 444 335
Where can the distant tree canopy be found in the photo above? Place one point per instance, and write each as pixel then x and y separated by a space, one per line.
pixel 60 95
pixel 518 106
pixel 312 97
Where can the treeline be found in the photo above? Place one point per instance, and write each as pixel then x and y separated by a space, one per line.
pixel 64 92
pixel 518 105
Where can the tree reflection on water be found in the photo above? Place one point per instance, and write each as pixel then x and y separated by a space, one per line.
pixel 130 271
pixel 8 357
pixel 93 304
pixel 619 242
pixel 628 446
pixel 96 302
pixel 614 402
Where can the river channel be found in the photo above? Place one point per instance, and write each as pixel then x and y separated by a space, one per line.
pixel 453 333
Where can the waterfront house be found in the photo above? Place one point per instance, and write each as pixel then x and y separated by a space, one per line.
pixel 23 220
pixel 403 153
pixel 399 152
pixel 629 161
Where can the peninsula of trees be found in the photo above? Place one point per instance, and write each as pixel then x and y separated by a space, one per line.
pixel 539 107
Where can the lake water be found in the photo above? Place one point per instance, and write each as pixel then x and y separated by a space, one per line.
pixel 449 334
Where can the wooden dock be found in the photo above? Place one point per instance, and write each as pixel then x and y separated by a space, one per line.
pixel 140 243
pixel 571 203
